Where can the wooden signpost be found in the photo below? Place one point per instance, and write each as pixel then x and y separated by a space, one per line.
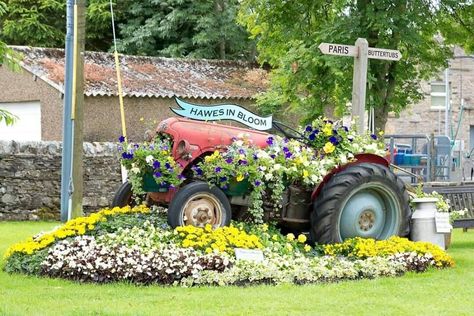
pixel 361 52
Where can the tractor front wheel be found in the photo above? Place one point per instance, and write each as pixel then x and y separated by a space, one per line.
pixel 365 200
pixel 198 204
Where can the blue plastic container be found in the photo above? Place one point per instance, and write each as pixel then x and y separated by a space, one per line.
pixel 399 158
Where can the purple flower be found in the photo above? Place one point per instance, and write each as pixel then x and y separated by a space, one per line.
pixel 242 162
pixel 270 140
pixel 312 136
pixel 373 136
pixel 334 132
pixel 309 128
pixel 288 154
pixel 229 160
pixel 345 129
pixel 157 174
pixel 285 149
pixel 171 186
pixel 121 139
pixel 241 151
pixel 218 169
pixel 333 140
pixel 257 183
pixel 255 157
pixel 156 164
pixel 167 165
pixel 222 179
pixel 224 187
pixel 197 170
pixel 181 177
pixel 234 139
pixel 127 155
pixel 136 145
pixel 272 156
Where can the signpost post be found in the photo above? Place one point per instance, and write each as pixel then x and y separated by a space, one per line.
pixel 361 52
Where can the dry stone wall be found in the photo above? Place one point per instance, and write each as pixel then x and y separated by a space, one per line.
pixel 30 178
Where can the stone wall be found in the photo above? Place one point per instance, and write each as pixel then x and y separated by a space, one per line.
pixel 30 178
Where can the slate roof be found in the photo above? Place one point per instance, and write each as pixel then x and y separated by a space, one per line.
pixel 151 76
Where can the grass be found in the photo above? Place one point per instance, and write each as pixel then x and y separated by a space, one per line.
pixel 444 292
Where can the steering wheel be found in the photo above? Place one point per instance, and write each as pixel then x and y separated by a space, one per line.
pixel 288 131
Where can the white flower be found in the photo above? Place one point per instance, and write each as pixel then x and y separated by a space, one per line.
pixel 149 159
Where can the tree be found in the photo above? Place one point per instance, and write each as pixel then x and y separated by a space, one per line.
pixel 289 33
pixel 185 28
pixel 43 23
pixel 457 23
pixel 9 58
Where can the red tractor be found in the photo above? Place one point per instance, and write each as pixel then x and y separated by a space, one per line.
pixel 362 198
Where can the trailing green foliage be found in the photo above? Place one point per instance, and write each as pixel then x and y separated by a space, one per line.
pixel 290 32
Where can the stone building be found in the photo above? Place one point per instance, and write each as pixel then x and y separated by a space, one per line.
pixel 150 85
pixel 429 115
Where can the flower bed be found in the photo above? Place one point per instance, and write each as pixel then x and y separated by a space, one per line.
pixel 137 245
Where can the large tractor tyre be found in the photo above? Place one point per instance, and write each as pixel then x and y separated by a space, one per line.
pixel 199 204
pixel 365 200
pixel 123 196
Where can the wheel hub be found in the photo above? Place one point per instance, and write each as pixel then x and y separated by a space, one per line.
pixel 199 213
pixel 367 220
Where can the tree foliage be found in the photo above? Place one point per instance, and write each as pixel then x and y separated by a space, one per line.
pixel 185 28
pixel 457 23
pixel 43 23
pixel 289 32
pixel 10 58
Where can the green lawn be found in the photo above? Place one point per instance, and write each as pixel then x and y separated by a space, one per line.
pixel 445 292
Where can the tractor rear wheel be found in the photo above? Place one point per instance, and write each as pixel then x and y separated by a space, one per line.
pixel 365 200
pixel 198 204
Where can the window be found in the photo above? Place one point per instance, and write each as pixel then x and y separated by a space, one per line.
pixel 438 96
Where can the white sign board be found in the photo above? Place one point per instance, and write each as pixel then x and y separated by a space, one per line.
pixel 248 254
pixel 386 54
pixel 223 112
pixel 442 222
pixel 351 51
pixel 338 49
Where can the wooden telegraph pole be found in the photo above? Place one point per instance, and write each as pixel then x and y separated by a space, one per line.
pixel 361 52
pixel 78 109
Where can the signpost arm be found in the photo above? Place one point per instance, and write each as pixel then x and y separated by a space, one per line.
pixel 359 84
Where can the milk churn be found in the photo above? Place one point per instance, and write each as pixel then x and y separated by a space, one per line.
pixel 423 225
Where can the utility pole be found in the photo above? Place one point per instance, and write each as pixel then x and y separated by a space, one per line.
pixel 78 108
pixel 71 169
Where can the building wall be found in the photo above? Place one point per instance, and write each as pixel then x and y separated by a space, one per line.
pixel 421 119
pixel 23 86
pixel 102 121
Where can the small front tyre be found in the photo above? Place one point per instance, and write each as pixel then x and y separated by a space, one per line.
pixel 198 204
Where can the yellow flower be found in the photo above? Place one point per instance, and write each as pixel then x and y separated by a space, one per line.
pixel 289 247
pixel 305 173
pixel 329 148
pixel 239 177
pixel 327 129
pixel 264 227
pixel 307 248
pixel 290 237
pixel 302 238
pixel 275 237
pixel 208 250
